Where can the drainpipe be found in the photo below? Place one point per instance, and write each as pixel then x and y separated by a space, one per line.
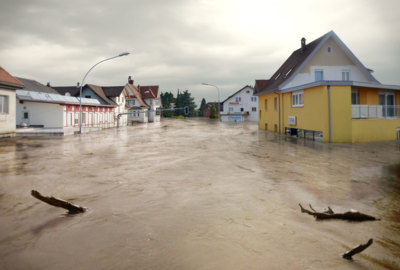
pixel 330 116
pixel 279 111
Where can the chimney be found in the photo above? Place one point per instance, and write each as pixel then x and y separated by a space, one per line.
pixel 130 81
pixel 77 85
pixel 303 44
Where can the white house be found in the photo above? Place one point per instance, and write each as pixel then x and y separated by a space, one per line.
pixel 241 106
pixel 41 106
pixel 8 85
pixel 143 103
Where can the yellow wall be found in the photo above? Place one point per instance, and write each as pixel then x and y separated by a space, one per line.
pixel 314 115
pixel 373 130
pixel 269 115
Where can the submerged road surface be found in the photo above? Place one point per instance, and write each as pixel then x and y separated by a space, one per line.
pixel 196 194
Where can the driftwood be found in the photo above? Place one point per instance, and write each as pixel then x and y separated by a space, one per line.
pixel 329 214
pixel 349 254
pixel 72 208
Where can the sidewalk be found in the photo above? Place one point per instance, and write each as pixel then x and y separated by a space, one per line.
pixel 53 131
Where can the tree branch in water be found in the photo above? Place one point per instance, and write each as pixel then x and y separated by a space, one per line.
pixel 72 208
pixel 349 254
pixel 349 215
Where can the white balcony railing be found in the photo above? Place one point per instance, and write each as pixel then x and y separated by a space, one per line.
pixel 375 111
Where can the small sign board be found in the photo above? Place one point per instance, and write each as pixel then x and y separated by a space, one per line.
pixel 292 120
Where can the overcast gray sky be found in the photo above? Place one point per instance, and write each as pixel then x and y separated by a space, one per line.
pixel 178 44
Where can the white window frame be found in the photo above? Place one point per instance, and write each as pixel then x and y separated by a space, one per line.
pixel 238 99
pixel 354 91
pixel 4 103
pixel 346 75
pixel 230 109
pixel 322 75
pixel 298 99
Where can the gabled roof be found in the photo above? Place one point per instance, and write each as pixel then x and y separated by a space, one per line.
pixel 149 92
pixel 298 59
pixel 32 85
pixel 7 80
pixel 247 86
pixel 99 91
pixel 134 92
pixel 62 90
pixel 113 91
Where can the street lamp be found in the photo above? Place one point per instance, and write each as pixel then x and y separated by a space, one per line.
pixel 219 103
pixel 80 90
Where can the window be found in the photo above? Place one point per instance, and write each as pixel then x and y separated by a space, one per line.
pixel 319 75
pixel 254 109
pixel 345 75
pixel 254 99
pixel 230 109
pixel 238 99
pixel 83 118
pixel 266 104
pixel 247 91
pixel 275 104
pixel 4 104
pixel 76 119
pixel 241 109
pixel 87 96
pixel 354 97
pixel 26 115
pixel 298 99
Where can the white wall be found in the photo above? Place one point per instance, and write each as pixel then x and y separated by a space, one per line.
pixel 331 73
pixel 246 94
pixel 7 121
pixel 48 115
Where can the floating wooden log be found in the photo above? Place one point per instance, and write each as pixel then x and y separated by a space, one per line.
pixel 349 254
pixel 72 208
pixel 329 214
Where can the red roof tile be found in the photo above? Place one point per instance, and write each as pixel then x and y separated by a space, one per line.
pixel 149 92
pixel 8 80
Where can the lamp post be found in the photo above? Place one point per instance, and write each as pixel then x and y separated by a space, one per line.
pixel 80 90
pixel 219 103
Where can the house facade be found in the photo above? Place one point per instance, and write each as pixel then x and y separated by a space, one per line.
pixel 143 103
pixel 41 106
pixel 241 106
pixel 8 86
pixel 322 91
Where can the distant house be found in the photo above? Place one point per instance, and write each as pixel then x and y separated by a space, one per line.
pixel 322 91
pixel 8 85
pixel 241 106
pixel 143 103
pixel 119 95
pixel 39 105
pixel 207 108
pixel 91 91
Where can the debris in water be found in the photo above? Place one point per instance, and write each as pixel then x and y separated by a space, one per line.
pixel 72 208
pixel 349 254
pixel 351 215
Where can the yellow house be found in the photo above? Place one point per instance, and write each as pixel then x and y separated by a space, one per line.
pixel 323 92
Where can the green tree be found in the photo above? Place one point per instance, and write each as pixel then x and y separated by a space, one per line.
pixel 213 112
pixel 202 105
pixel 185 99
pixel 167 99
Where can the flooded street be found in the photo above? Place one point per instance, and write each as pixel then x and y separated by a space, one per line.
pixel 196 194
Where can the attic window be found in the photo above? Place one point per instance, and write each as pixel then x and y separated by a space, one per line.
pixel 277 76
pixel 329 49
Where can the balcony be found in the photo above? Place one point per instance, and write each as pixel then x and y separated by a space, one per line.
pixel 375 111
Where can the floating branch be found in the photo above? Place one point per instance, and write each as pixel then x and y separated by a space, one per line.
pixel 349 254
pixel 329 214
pixel 72 208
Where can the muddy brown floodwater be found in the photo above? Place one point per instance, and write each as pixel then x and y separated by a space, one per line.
pixel 196 194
